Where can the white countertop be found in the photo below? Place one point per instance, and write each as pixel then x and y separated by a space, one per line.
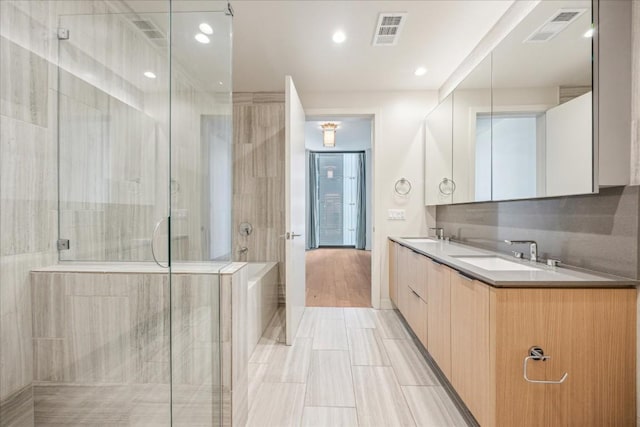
pixel 543 276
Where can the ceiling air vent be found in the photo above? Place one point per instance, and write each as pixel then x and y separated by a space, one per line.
pixel 388 29
pixel 554 25
pixel 150 30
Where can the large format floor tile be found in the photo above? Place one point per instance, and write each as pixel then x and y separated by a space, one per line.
pixel 348 367
pixel 330 382
pixel 379 399
pixel 408 363
pixel 290 364
pixel 314 416
pixel 389 325
pixel 330 334
pixel 277 404
pixel 366 348
pixel 359 318
pixel 431 406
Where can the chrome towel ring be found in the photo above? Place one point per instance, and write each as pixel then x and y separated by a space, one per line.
pixel 403 187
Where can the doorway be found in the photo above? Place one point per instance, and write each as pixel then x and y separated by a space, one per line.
pixel 339 230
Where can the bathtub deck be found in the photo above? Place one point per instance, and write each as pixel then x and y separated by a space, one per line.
pixel 338 278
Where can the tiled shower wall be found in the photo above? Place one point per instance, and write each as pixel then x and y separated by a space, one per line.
pixel 258 177
pixel 28 190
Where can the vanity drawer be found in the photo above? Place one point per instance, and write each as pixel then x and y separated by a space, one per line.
pixel 417 315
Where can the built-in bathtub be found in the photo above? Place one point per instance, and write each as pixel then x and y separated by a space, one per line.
pixel 262 297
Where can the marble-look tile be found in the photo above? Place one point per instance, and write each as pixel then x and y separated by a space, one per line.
pixel 307 325
pixel 256 374
pixel 258 176
pixel 389 326
pixel 379 399
pixel 330 382
pixel 326 416
pixel 17 408
pixel 359 317
pixel 432 406
pixel 366 348
pixel 271 338
pixel 28 177
pixel 268 97
pixel 330 334
pixel 284 411
pixel 336 313
pixel 16 365
pixel 409 364
pixel 290 364
pixel 23 84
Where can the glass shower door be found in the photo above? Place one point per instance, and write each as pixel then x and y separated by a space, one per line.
pixel 201 190
pixel 144 140
pixel 110 358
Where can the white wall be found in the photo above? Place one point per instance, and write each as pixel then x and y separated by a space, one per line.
pixel 398 151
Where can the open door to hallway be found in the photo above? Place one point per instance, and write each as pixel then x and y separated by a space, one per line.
pixel 294 210
pixel 339 192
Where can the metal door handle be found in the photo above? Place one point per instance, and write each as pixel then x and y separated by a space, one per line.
pixel 153 238
pixel 290 236
pixel 536 353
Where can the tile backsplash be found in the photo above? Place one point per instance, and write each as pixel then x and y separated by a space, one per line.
pixel 598 232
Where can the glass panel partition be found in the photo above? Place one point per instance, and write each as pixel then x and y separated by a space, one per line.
pixel 144 197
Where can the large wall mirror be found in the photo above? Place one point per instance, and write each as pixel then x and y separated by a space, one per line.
pixel 521 121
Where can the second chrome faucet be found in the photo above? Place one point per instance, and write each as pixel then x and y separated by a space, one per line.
pixel 533 247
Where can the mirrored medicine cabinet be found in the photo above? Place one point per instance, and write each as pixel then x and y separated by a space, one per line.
pixel 520 125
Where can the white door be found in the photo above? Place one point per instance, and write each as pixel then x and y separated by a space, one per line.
pixel 295 209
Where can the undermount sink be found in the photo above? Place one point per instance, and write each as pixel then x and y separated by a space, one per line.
pixel 494 263
pixel 420 240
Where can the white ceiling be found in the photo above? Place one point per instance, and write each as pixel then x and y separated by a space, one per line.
pixel 276 38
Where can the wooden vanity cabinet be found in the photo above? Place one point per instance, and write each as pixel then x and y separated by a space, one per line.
pixel 588 333
pixel 411 287
pixel 479 336
pixel 439 314
pixel 470 345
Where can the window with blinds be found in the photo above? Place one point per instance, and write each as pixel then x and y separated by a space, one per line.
pixel 337 192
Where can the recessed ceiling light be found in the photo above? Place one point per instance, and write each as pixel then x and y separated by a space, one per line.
pixel 589 33
pixel 206 28
pixel 420 71
pixel 339 37
pixel 220 83
pixel 202 38
pixel 150 74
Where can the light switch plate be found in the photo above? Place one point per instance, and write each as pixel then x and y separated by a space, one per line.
pixel 396 214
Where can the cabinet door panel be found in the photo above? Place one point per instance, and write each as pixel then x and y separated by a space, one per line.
pixel 439 315
pixel 393 272
pixel 570 325
pixel 403 279
pixel 417 317
pixel 418 266
pixel 470 346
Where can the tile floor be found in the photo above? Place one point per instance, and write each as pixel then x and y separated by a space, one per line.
pixel 347 367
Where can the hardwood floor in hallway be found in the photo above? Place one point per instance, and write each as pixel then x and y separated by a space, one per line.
pixel 338 278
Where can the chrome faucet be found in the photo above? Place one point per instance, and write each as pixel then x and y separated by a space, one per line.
pixel 439 232
pixel 533 247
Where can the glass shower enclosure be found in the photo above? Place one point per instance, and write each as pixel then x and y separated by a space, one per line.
pixel 144 211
